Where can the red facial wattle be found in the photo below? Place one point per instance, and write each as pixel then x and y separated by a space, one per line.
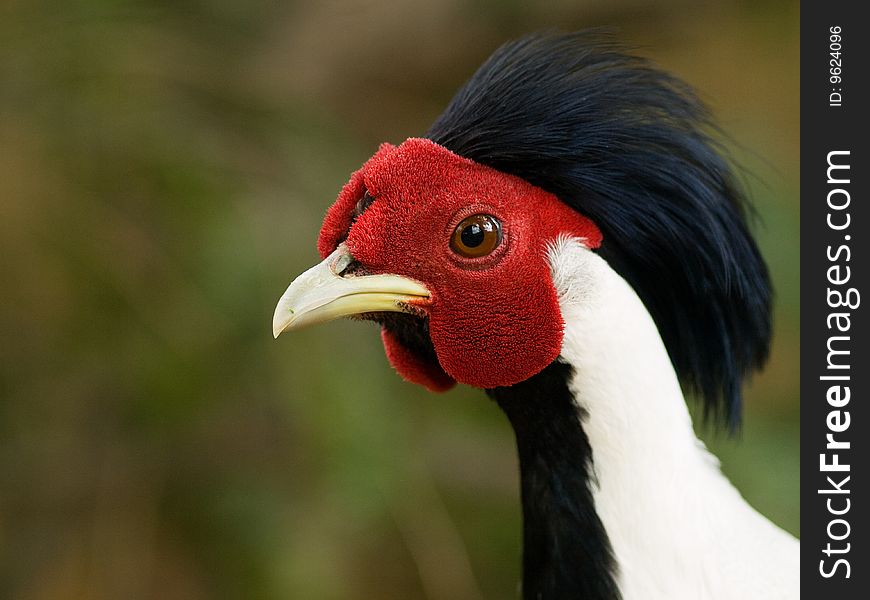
pixel 493 320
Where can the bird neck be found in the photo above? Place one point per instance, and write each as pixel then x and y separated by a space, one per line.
pixel 619 496
pixel 566 552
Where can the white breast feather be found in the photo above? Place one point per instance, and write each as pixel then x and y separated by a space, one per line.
pixel 679 530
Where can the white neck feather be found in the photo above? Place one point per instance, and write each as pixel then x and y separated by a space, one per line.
pixel 678 528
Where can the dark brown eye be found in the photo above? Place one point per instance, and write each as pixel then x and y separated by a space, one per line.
pixel 362 205
pixel 476 236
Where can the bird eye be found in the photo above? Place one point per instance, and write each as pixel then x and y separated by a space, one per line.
pixel 476 236
pixel 362 205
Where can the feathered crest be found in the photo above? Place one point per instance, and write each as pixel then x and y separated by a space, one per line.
pixel 630 147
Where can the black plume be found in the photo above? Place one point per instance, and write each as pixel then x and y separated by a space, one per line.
pixel 630 147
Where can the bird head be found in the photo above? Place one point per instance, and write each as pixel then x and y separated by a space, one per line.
pixel 450 257
pixel 443 240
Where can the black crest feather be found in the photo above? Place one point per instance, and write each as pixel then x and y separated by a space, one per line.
pixel 631 147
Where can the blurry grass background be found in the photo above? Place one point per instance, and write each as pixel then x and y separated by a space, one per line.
pixel 164 167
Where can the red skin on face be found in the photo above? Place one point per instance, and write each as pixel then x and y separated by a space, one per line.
pixel 493 320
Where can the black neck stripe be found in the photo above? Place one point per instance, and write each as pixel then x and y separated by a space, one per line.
pixel 566 552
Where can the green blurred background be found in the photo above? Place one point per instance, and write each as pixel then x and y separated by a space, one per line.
pixel 164 167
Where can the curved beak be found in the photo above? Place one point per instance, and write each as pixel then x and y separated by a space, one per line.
pixel 322 294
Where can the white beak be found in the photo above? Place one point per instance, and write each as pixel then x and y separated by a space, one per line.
pixel 321 294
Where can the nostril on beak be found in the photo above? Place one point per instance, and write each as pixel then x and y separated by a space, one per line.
pixel 342 261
